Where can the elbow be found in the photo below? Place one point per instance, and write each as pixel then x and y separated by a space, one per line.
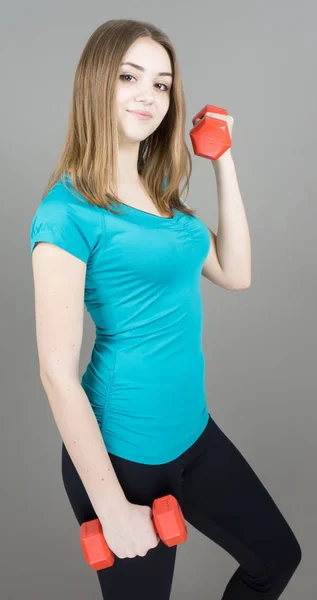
pixel 245 287
pixel 49 378
pixel 241 287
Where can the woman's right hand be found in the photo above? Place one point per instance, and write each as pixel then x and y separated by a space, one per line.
pixel 130 531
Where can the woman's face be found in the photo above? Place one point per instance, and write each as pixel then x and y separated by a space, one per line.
pixel 143 89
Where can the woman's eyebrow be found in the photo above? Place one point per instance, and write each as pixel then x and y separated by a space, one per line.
pixel 142 68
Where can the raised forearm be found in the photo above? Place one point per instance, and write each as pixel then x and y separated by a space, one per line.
pixel 233 236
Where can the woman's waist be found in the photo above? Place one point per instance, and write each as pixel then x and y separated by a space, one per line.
pixel 132 374
pixel 146 360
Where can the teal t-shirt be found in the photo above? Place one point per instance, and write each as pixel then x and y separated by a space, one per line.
pixel 146 377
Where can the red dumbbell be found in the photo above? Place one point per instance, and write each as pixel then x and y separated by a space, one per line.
pixel 168 521
pixel 210 136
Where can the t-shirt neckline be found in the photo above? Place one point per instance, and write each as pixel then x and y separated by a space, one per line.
pixel 147 213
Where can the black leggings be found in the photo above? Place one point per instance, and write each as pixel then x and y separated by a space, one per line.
pixel 222 497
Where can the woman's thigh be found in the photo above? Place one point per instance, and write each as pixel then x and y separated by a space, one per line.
pixel 141 577
pixel 224 499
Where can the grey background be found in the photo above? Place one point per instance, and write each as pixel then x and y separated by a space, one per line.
pixel 257 59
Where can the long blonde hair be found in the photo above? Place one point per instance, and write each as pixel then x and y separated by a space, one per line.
pixel 89 155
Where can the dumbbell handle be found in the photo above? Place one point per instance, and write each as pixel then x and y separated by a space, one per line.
pixel 207 114
pixel 168 522
pixel 209 110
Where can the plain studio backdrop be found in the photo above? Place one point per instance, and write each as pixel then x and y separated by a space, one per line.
pixel 258 60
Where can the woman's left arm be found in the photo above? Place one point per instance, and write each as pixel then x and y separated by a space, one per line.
pixel 229 258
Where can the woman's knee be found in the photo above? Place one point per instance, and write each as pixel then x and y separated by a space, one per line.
pixel 294 555
pixel 286 555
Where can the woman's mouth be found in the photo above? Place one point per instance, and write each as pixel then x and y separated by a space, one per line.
pixel 140 114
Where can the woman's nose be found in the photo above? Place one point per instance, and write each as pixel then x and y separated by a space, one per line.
pixel 145 95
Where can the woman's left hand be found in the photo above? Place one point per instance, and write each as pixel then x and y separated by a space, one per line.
pixel 230 120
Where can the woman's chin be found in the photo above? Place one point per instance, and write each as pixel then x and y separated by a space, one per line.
pixel 132 136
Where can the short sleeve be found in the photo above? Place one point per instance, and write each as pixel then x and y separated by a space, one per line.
pixel 65 221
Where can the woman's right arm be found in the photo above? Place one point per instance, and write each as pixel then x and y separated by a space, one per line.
pixel 59 280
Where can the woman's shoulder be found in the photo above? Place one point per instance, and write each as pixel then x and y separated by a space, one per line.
pixel 64 217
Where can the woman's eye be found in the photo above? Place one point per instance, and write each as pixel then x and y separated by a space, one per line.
pixel 166 88
pixel 127 75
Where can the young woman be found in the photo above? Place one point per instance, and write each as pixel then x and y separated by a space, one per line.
pixel 119 240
